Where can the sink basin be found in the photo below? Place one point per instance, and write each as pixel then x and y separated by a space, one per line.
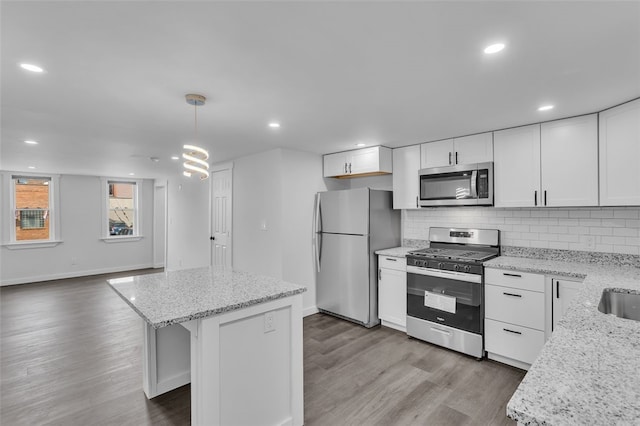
pixel 620 303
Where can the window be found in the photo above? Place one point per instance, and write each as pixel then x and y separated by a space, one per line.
pixel 30 219
pixel 31 197
pixel 121 206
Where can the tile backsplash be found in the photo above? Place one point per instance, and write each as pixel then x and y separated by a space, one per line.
pixel 597 229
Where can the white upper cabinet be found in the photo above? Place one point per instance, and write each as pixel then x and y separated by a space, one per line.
pixel 569 159
pixel 465 150
pixel 436 154
pixel 553 164
pixel 474 148
pixel 406 185
pixel 516 167
pixel 620 155
pixel 359 162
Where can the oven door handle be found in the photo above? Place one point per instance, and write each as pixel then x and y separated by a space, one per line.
pixel 450 275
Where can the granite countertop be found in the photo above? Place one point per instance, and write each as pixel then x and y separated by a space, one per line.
pixel 589 370
pixel 395 251
pixel 173 297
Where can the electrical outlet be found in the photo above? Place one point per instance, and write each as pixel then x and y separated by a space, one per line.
pixel 269 322
pixel 590 242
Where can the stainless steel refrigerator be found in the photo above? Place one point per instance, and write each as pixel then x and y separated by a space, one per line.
pixel 350 225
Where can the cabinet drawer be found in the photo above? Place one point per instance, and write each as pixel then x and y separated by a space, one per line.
pixel 515 306
pixel 390 262
pixel 514 279
pixel 512 341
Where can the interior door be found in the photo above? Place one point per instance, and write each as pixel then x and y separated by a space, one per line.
pixel 221 197
pixel 343 279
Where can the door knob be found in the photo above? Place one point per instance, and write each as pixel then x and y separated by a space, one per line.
pixel 212 238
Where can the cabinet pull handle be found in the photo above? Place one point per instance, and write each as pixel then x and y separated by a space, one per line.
pixel 345 168
pixel 391 259
pixel 511 331
pixel 545 197
pixel 535 198
pixel 512 294
pixel 512 275
pixel 349 167
pixel 456 157
pixel 449 158
pixel 379 274
pixel 557 290
pixel 417 204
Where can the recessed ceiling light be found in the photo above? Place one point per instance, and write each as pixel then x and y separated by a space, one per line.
pixel 132 174
pixel 494 48
pixel 175 157
pixel 545 108
pixel 31 142
pixel 274 125
pixel 32 167
pixel 361 144
pixel 31 67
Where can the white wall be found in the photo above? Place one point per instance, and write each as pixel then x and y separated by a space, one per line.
pixel 257 201
pixel 302 179
pixel 188 244
pixel 277 188
pixel 605 229
pixel 81 252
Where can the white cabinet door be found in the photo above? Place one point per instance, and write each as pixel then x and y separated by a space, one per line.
pixel 620 155
pixel 335 164
pixel 563 292
pixel 473 149
pixel 363 161
pixel 406 185
pixel 392 298
pixel 516 167
pixel 569 158
pixel 437 154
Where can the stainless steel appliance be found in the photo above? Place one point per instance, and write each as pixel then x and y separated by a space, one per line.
pixel 445 288
pixel 350 225
pixel 461 185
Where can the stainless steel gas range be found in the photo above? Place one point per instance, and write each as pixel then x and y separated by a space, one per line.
pixel 445 288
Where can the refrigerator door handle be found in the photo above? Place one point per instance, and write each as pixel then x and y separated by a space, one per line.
pixel 318 247
pixel 317 236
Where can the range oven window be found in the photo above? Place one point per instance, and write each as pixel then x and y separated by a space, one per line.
pixel 468 307
pixel 446 186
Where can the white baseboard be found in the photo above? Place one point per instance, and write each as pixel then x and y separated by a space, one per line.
pixel 73 274
pixel 310 311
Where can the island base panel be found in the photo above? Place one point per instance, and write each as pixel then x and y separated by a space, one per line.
pixel 246 365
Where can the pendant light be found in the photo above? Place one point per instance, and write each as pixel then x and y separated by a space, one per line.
pixel 195 157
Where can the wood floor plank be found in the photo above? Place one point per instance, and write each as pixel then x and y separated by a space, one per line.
pixel 70 355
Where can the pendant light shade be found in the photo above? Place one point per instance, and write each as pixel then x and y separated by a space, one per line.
pixel 195 157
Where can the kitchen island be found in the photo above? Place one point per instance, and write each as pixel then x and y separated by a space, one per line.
pixel 243 353
pixel 589 370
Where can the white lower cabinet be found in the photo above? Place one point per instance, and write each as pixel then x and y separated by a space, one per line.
pixel 515 316
pixel 563 291
pixel 392 292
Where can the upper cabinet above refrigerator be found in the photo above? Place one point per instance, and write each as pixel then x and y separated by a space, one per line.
pixel 358 163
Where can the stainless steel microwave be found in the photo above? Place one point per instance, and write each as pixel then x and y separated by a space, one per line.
pixel 460 185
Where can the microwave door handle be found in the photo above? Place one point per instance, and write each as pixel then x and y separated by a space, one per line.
pixel 474 184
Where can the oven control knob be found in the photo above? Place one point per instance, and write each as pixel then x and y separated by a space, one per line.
pixel 456 268
pixel 440 265
pixel 467 268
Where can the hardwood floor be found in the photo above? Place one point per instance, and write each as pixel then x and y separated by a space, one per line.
pixel 70 355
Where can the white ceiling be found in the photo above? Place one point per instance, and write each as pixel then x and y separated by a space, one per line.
pixel 333 73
